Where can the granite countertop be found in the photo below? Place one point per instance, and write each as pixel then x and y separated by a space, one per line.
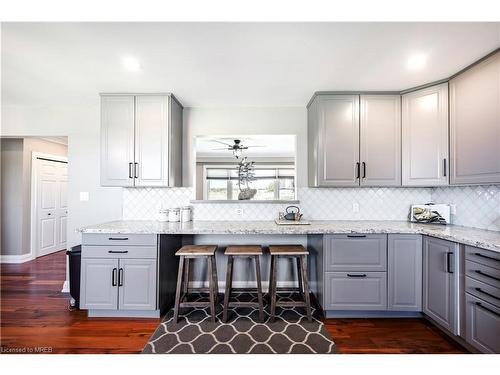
pixel 470 236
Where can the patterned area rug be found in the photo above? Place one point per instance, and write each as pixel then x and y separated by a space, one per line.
pixel 243 333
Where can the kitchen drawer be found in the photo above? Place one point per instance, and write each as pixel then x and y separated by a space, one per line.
pixel 483 273
pixel 355 291
pixel 136 252
pixel 482 325
pixel 356 252
pixel 484 291
pixel 119 239
pixel 486 257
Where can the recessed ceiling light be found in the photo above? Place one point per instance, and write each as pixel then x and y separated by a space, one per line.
pixel 131 64
pixel 416 62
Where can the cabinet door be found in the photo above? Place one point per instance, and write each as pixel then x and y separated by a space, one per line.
pixel 98 284
pixel 475 124
pixel 440 301
pixel 151 140
pixel 380 140
pixel 425 137
pixel 482 322
pixel 137 284
pixel 404 272
pixel 338 140
pixel 117 140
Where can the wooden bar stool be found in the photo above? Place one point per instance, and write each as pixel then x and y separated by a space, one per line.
pixel 186 253
pixel 247 252
pixel 299 253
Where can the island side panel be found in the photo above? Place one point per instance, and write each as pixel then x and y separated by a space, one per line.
pixel 316 266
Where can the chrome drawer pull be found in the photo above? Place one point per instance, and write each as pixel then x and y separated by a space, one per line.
pixel 356 235
pixel 117 251
pixel 488 294
pixel 486 275
pixel 118 238
pixel 485 308
pixel 486 256
pixel 354 275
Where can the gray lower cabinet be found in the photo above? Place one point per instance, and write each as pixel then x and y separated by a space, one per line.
pixel 482 325
pixel 404 272
pixel 355 291
pixel 440 282
pixel 120 273
pixel 98 286
pixel 137 282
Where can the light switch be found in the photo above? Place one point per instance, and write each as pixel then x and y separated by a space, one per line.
pixel 84 196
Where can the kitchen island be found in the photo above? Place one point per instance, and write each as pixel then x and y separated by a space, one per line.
pixel 449 274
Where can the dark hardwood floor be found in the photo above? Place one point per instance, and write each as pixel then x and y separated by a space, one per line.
pixel 34 313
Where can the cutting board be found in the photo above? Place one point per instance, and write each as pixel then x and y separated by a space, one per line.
pixel 290 222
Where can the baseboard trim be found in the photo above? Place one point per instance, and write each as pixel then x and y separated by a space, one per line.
pixel 123 313
pixel 23 258
pixel 65 288
pixel 372 314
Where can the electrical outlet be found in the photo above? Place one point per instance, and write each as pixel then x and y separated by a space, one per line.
pixel 453 209
pixel 239 211
pixel 84 196
pixel 355 207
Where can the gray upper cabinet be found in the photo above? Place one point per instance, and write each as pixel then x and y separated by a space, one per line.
pixel 380 140
pixel 475 124
pixel 425 137
pixel 141 140
pixel 441 282
pixel 404 272
pixel 346 149
pixel 117 140
pixel 334 140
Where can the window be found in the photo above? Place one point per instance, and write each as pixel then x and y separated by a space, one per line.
pixel 271 182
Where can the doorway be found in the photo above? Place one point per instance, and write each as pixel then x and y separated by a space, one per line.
pixel 49 203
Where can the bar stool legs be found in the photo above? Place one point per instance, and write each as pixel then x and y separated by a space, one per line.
pixel 186 253
pixel 299 255
pixel 252 252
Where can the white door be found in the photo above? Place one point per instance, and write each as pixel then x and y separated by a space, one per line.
pixel 51 206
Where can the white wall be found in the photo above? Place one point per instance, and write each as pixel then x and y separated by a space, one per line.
pixel 81 125
pixel 11 196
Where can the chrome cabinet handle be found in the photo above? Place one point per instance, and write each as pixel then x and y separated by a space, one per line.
pixel 117 251
pixel 444 167
pixel 364 170
pixel 356 275
pixel 130 170
pixel 356 235
pixel 136 167
pixel 118 238
pixel 357 170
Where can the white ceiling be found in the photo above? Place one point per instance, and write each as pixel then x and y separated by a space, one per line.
pixel 268 146
pixel 230 64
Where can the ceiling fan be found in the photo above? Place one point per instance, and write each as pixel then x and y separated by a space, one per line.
pixel 237 148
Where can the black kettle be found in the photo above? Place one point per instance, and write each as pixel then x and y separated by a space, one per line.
pixel 293 213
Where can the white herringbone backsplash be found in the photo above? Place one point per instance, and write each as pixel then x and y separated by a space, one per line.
pixel 477 206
